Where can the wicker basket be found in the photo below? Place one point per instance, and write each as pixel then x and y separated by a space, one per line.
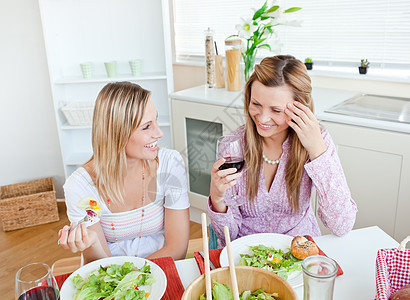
pixel 28 204
pixel 78 113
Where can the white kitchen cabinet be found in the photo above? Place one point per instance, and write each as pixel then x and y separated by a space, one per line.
pixel 196 128
pixel 97 31
pixel 377 169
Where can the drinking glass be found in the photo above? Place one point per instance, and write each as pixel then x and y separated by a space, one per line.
pixel 319 273
pixel 36 282
pixel 230 148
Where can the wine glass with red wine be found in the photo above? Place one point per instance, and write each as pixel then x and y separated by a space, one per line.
pixel 36 282
pixel 230 148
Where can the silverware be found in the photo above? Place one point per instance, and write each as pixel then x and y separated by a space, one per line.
pixel 210 263
pixel 85 219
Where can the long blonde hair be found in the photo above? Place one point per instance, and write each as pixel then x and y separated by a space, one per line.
pixel 118 112
pixel 277 71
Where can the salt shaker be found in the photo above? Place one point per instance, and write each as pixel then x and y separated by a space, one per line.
pixel 209 58
pixel 319 273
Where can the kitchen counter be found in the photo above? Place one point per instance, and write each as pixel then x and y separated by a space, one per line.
pixel 323 100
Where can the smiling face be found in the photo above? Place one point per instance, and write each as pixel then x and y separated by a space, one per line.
pixel 266 108
pixel 143 141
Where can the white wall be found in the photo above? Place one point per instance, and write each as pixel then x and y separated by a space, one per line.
pixel 29 147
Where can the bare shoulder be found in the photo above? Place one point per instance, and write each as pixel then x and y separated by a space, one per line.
pixel 89 167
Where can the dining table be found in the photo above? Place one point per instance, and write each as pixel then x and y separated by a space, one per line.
pixel 355 253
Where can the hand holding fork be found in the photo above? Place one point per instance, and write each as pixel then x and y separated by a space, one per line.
pixel 85 219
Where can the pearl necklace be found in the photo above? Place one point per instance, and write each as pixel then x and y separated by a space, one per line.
pixel 267 160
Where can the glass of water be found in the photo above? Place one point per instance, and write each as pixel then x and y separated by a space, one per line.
pixel 319 273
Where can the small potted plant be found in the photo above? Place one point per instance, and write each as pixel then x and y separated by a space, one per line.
pixel 364 63
pixel 308 63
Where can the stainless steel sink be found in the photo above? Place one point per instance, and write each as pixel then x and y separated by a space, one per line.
pixel 392 109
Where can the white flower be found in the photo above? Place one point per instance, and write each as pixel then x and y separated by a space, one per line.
pixel 275 14
pixel 246 28
pixel 261 32
pixel 265 22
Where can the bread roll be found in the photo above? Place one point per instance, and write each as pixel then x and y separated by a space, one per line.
pixel 301 247
pixel 402 294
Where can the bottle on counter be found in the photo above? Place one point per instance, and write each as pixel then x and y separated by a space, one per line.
pixel 233 64
pixel 209 58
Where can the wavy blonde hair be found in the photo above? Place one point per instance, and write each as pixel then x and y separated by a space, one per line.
pixel 118 112
pixel 277 71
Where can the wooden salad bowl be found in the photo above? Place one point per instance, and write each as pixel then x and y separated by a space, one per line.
pixel 248 278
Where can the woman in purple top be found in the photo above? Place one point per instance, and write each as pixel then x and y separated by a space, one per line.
pixel 287 153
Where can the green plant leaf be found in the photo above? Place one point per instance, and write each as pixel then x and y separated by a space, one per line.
pixel 257 42
pixel 269 28
pixel 263 18
pixel 256 33
pixel 232 35
pixel 260 11
pixel 266 46
pixel 272 9
pixel 292 9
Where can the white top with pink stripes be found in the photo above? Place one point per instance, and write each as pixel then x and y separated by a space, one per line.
pixel 124 238
pixel 127 225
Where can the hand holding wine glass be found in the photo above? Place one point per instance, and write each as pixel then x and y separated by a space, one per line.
pixel 36 282
pixel 226 170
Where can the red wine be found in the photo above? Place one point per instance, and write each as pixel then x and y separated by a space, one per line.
pixel 233 162
pixel 41 293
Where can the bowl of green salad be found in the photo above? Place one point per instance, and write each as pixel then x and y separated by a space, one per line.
pixel 253 283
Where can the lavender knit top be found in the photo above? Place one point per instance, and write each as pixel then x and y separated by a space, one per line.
pixel 270 211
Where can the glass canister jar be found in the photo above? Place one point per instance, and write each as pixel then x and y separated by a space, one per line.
pixel 209 58
pixel 233 61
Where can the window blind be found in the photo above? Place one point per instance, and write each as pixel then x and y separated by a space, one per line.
pixel 331 31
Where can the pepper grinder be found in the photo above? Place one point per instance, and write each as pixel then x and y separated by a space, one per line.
pixel 209 58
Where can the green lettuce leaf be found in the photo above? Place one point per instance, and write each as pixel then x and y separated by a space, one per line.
pixel 221 291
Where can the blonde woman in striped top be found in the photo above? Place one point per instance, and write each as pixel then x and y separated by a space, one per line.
pixel 141 189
